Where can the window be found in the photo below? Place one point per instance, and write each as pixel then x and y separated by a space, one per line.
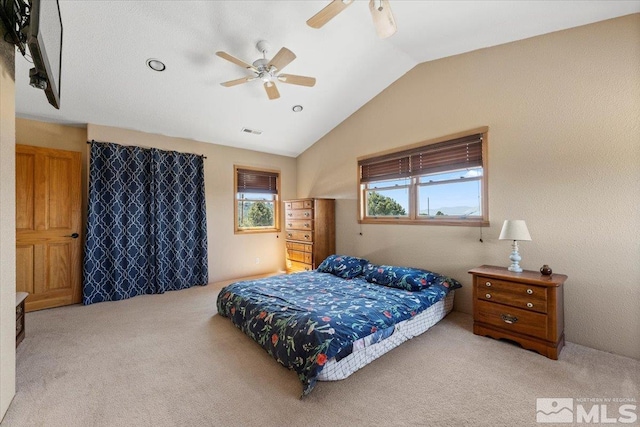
pixel 442 181
pixel 256 205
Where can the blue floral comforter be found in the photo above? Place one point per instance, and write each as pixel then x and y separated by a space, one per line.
pixel 305 319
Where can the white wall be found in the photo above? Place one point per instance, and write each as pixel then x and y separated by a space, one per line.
pixel 563 112
pixel 7 226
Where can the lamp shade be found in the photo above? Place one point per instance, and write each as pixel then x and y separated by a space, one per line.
pixel 514 229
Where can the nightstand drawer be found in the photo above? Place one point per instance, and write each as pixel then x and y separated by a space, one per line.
pixel 484 284
pixel 518 297
pixel 507 298
pixel 512 319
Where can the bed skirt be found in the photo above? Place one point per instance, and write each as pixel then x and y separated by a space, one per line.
pixel 405 330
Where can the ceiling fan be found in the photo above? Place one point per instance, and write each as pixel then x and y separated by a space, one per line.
pixel 380 11
pixel 268 71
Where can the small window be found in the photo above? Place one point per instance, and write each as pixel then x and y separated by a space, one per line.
pixel 441 182
pixel 256 205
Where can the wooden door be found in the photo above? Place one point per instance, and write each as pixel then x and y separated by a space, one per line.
pixel 48 226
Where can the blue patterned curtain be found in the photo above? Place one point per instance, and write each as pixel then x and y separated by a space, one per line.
pixel 146 227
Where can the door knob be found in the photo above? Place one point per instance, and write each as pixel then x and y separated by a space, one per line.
pixel 73 236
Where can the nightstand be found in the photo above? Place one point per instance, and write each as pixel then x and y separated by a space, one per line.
pixel 526 308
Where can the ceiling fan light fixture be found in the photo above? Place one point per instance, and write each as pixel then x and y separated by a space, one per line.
pixel 268 71
pixel 156 64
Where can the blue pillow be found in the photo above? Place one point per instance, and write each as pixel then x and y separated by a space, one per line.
pixel 407 278
pixel 343 266
pixel 449 283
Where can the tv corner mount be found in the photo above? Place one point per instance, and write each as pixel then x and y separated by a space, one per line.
pixel 15 15
pixel 37 25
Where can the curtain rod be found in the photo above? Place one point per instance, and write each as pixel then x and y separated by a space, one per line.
pixel 201 155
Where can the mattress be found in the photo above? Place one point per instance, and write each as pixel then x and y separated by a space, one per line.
pixel 306 319
pixel 367 349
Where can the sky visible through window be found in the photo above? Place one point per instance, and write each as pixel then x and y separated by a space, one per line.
pixel 450 198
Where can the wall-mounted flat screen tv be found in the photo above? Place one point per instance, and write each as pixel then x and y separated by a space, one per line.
pixel 44 39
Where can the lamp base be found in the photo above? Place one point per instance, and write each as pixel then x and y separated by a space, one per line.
pixel 515 268
pixel 515 258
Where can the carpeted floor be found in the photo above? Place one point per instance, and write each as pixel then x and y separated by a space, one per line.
pixel 169 360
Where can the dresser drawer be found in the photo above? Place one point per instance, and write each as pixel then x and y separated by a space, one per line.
pixel 299 204
pixel 299 224
pixel 295 266
pixel 306 236
pixel 299 256
pixel 512 319
pixel 299 247
pixel 299 214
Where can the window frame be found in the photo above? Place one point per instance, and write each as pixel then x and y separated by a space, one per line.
pixel 413 216
pixel 276 202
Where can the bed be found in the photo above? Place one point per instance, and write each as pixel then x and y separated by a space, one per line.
pixel 327 323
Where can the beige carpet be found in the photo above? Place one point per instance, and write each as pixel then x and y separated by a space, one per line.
pixel 169 360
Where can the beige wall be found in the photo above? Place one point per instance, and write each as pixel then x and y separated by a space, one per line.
pixel 230 255
pixel 563 113
pixel 7 226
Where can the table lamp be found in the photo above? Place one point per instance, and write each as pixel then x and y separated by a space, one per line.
pixel 515 229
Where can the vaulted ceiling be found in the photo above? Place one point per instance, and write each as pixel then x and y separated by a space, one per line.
pixel 105 79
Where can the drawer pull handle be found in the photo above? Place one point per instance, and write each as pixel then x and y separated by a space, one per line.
pixel 488 296
pixel 530 305
pixel 307 214
pixel 306 236
pixel 507 318
pixel 289 235
pixel 488 284
pixel 307 225
pixel 289 225
pixel 289 214
pixel 529 291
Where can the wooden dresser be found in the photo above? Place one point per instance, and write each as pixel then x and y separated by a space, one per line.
pixel 523 307
pixel 310 231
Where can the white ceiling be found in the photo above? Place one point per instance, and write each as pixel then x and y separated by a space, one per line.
pixel 106 44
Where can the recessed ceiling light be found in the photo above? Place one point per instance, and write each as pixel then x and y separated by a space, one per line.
pixel 297 108
pixel 156 64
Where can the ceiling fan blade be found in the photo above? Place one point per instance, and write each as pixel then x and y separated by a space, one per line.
pixel 383 18
pixel 328 13
pixel 272 90
pixel 236 61
pixel 237 81
pixel 282 59
pixel 297 80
